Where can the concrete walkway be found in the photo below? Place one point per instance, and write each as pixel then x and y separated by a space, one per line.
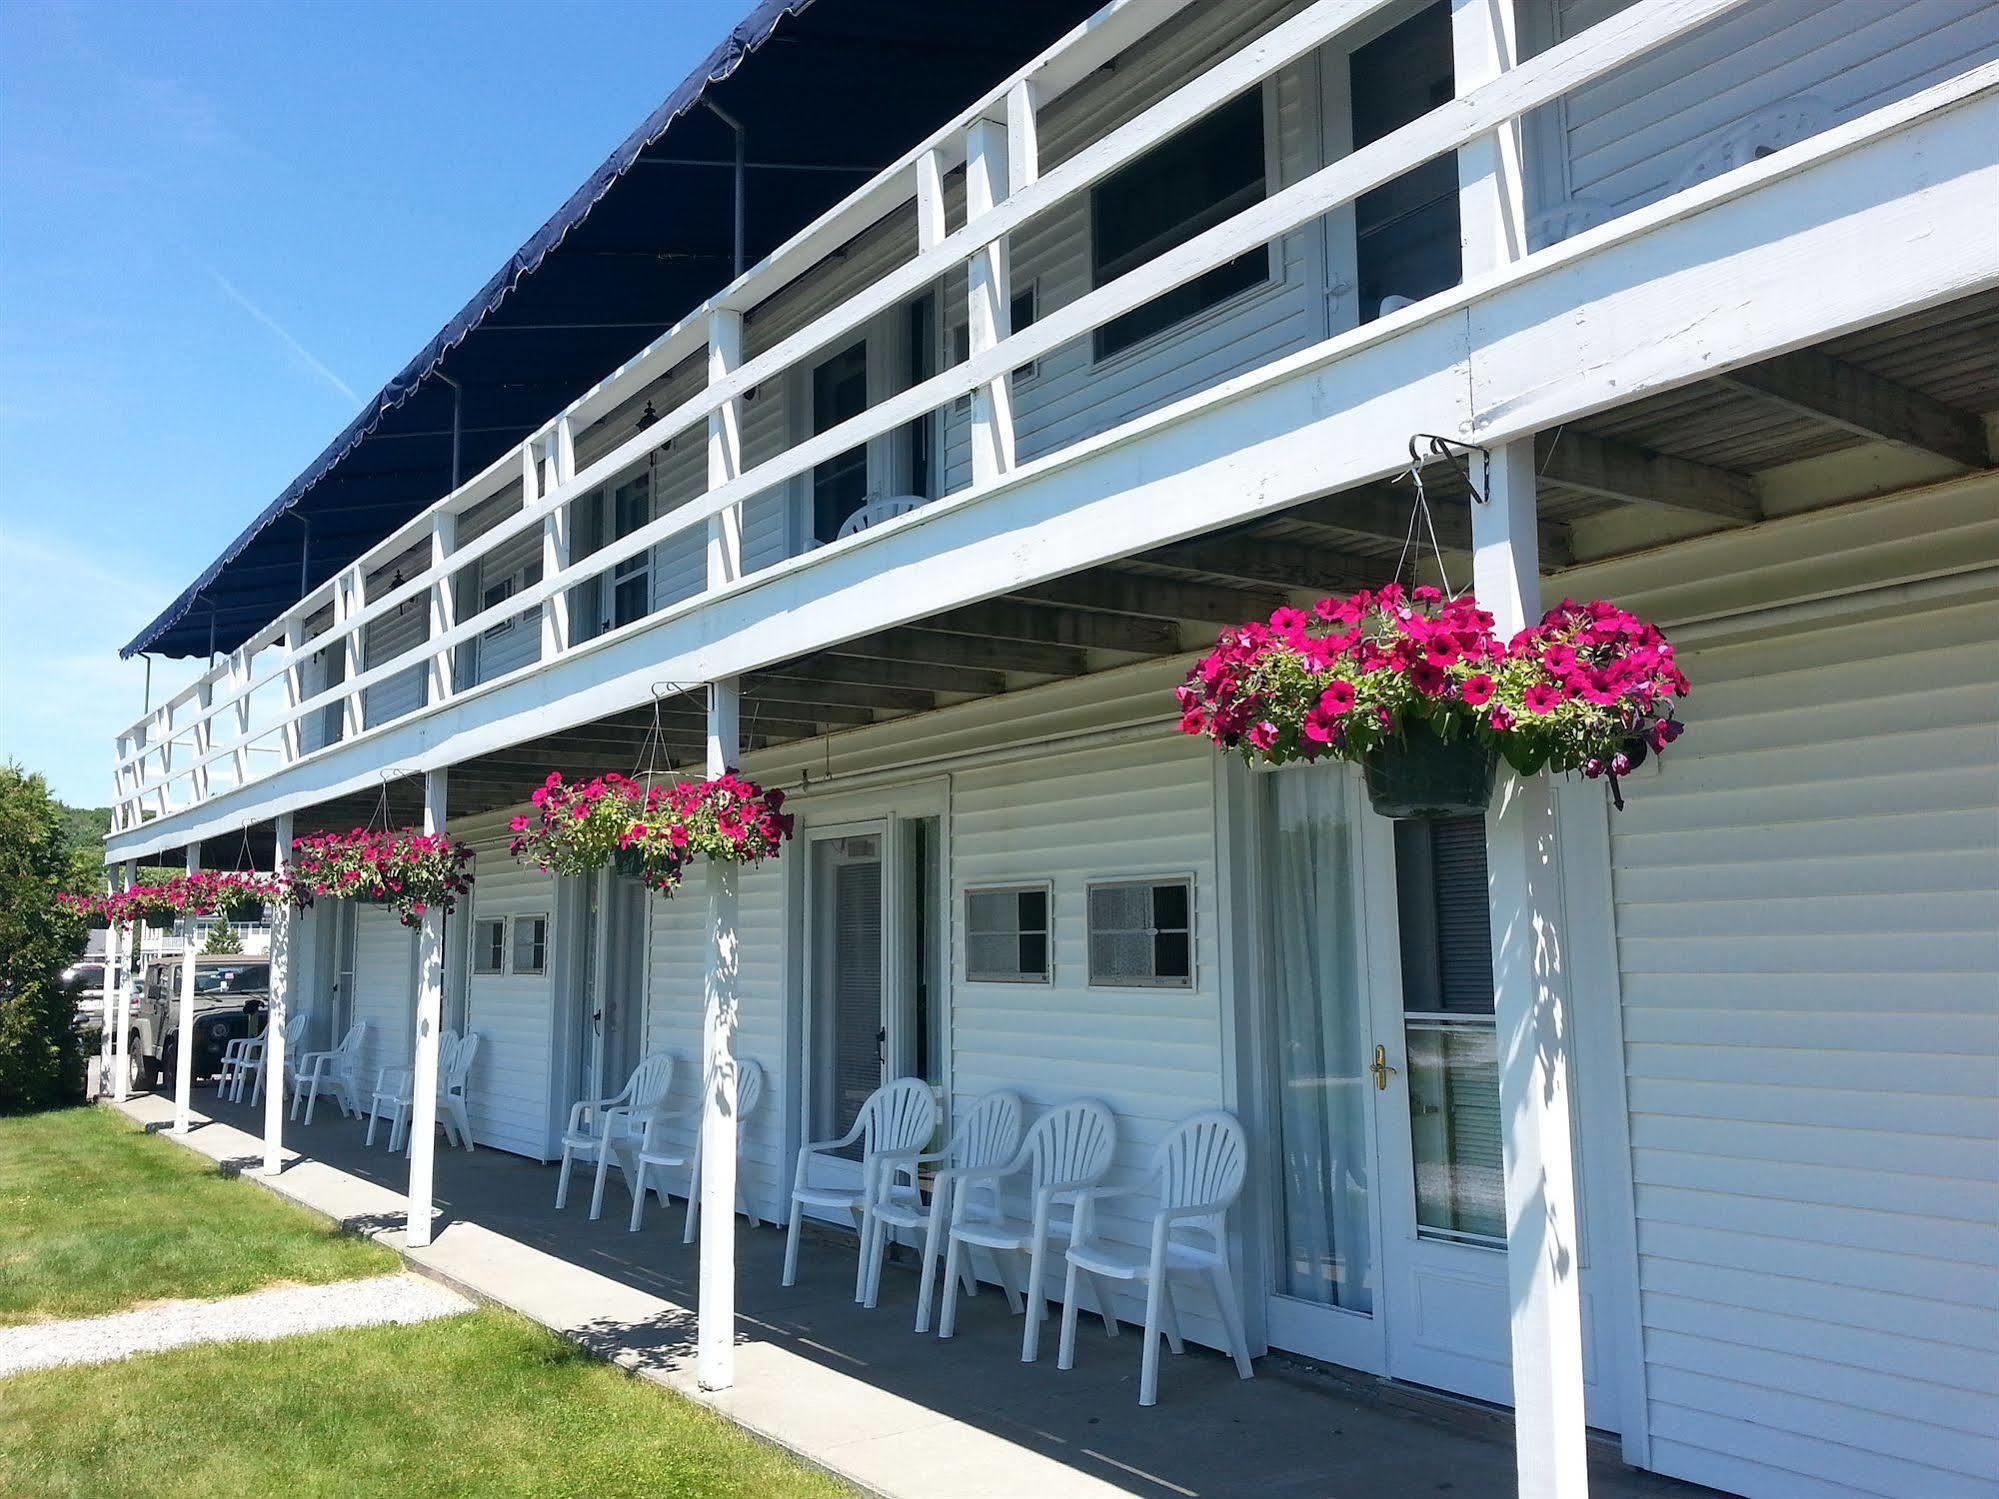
pixel 259 1317
pixel 855 1391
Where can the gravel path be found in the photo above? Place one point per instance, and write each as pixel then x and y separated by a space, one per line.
pixel 258 1317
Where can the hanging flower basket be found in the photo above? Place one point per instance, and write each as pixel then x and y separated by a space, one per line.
pixel 648 831
pixel 402 867
pixel 1419 775
pixel 1416 688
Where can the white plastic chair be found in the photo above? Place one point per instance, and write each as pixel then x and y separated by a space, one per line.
pixel 1200 1167
pixel 1769 129
pixel 894 1124
pixel 657 1152
pixel 297 1023
pixel 878 509
pixel 602 1128
pixel 331 1072
pixel 396 1087
pixel 1066 1152
pixel 988 1135
pixel 235 1058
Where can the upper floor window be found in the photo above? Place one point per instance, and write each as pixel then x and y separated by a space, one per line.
pixel 631 580
pixel 1207 173
pixel 839 485
pixel 1405 231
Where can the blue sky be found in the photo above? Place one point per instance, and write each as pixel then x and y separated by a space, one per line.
pixel 223 226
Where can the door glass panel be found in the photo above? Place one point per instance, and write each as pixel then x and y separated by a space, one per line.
pixel 1314 990
pixel 847 1014
pixel 1448 1034
pixel 1454 1129
pixel 922 1050
pixel 839 485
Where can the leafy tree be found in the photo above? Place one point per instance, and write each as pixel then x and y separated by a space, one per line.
pixel 41 1061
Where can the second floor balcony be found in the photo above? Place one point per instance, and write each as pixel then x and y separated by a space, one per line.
pixel 1128 349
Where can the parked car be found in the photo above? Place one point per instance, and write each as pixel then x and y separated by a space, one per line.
pixel 85 980
pixel 230 997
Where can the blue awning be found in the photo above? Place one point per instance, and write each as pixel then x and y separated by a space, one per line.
pixel 828 92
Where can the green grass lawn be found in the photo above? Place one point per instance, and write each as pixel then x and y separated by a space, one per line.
pixel 95 1215
pixel 476 1405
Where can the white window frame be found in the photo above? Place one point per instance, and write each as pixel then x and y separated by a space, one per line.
pixel 1150 882
pixel 514 969
pixel 500 963
pixel 1046 890
pixel 1274 274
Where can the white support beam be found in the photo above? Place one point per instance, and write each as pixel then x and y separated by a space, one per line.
pixel 1535 1032
pixel 1023 136
pixel 184 1028
pixel 557 544
pixel 443 606
pixel 294 689
pixel 715 1358
pixel 1842 395
pixel 429 1017
pixel 110 1048
pixel 1635 476
pixel 204 741
pixel 239 691
pixel 725 449
pixel 120 1017
pixel 930 224
pixel 988 302
pixel 348 602
pixel 284 969
pixel 1536 1038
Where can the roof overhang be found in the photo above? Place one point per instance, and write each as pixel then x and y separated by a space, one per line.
pixel 827 92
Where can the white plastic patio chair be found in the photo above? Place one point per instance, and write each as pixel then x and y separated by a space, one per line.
pixel 395 1093
pixel 988 1135
pixel 295 1027
pixel 235 1058
pixel 894 1124
pixel 1066 1152
pixel 1199 1167
pixel 331 1072
pixel 601 1129
pixel 657 1152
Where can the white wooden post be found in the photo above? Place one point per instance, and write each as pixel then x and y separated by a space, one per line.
pixel 1535 1030
pixel 204 738
pixel 429 1016
pixel 715 1360
pixel 284 934
pixel 443 605
pixel 121 1019
pixel 239 691
pixel 184 1036
pixel 294 688
pixel 988 302
pixel 715 1356
pixel 930 227
pixel 350 596
pixel 109 1051
pixel 556 544
pixel 725 448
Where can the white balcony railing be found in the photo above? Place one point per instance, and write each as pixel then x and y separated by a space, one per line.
pixel 242 719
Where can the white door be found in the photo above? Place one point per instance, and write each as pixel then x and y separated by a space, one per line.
pixel 1386 1247
pixel 874 964
pixel 1433 1080
pixel 847 978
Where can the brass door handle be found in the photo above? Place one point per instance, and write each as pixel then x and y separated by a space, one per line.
pixel 1380 1069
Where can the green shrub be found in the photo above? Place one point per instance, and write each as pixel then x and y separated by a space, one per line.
pixel 41 1059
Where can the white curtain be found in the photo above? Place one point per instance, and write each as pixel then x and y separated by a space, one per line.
pixel 1315 998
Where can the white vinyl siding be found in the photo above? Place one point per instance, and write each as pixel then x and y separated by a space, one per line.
pixel 1153 1055
pixel 1808 920
pixel 1629 137
pixel 404 692
pixel 514 1014
pixel 384 991
pixel 676 976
